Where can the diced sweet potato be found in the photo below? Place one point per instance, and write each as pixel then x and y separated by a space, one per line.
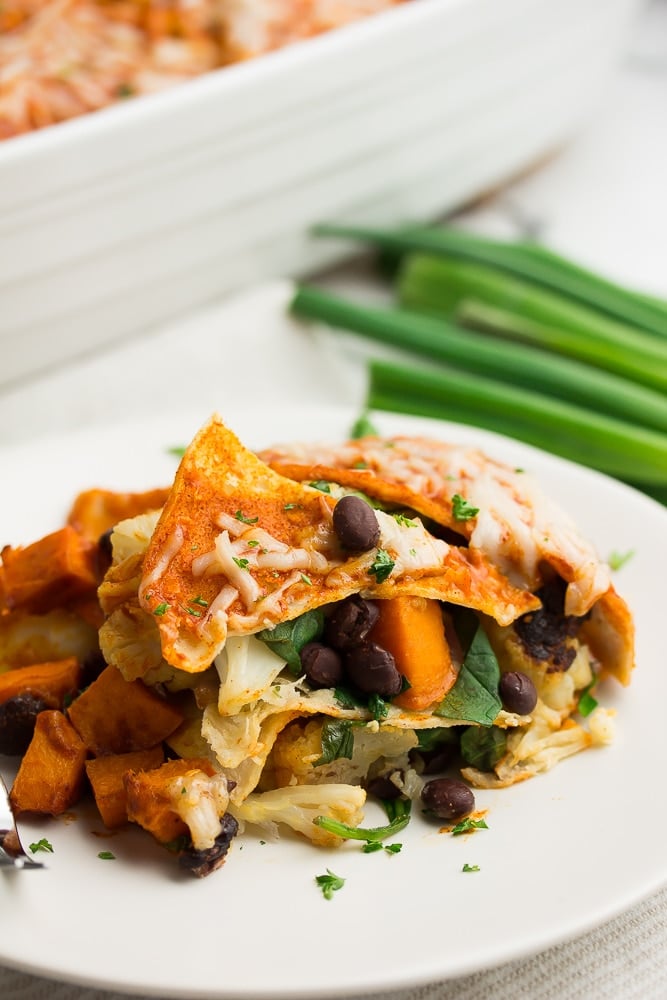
pixel 106 778
pixel 412 629
pixel 95 511
pixel 51 776
pixel 49 573
pixel 26 638
pixel 118 716
pixel 49 681
pixel 149 801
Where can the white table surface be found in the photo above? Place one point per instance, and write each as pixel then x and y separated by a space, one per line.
pixel 603 199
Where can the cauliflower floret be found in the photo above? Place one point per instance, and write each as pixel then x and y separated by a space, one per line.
pixel 601 725
pixel 299 806
pixel 130 641
pixel 299 747
pixel 131 537
pixel 247 668
pixel 200 801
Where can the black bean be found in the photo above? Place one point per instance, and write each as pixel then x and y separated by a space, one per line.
pixel 17 723
pixel 517 692
pixel 322 665
pixel 201 863
pixel 433 761
pixel 373 670
pixel 383 787
pixel 447 798
pixel 351 622
pixel 103 554
pixel 355 524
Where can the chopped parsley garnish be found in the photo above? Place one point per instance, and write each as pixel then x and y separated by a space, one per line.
pixel 241 563
pixel 291 506
pixel 461 509
pixel 329 883
pixel 374 845
pixel 42 845
pixel 413 552
pixel 587 702
pixel 618 559
pixel 178 450
pixel 306 579
pixel 195 612
pixel 107 856
pixel 470 868
pixel 252 543
pixel 381 566
pixel 360 465
pixel 322 485
pixel 378 707
pixel 161 609
pixel 200 601
pixel 363 427
pixel 405 522
pixel 467 825
pixel 240 516
pixel 125 90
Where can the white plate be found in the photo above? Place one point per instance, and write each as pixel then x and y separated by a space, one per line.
pixel 562 852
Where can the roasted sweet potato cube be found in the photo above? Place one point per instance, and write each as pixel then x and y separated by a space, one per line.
pixel 51 776
pixel 149 800
pixel 118 716
pixel 106 778
pixel 95 511
pixel 49 681
pixel 49 573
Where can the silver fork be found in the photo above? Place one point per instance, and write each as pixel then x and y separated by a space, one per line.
pixel 12 854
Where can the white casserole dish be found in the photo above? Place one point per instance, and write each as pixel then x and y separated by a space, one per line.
pixel 121 219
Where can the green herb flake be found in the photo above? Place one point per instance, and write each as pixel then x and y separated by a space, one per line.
pixel 618 559
pixel 360 465
pixel 195 612
pixel 378 707
pixel 263 843
pixel 329 883
pixel 291 506
pixel 468 825
pixel 587 703
pixel 199 600
pixel 42 845
pixel 322 485
pixel 372 847
pixel 178 450
pixel 240 516
pixel 381 566
pixel 161 609
pixel 405 522
pixel 399 813
pixel 241 563
pixel 470 868
pixel 106 856
pixel 413 552
pixel 306 579
pixel 252 543
pixel 125 90
pixel 363 427
pixel 461 509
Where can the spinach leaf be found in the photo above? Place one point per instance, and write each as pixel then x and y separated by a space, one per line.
pixel 337 741
pixel 430 739
pixel 482 747
pixel 474 697
pixel 288 638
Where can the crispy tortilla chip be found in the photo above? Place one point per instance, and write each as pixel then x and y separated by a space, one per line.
pixel 239 548
pixel 96 511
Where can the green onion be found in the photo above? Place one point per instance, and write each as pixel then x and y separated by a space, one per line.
pixel 517 364
pixel 525 260
pixel 528 313
pixel 613 446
